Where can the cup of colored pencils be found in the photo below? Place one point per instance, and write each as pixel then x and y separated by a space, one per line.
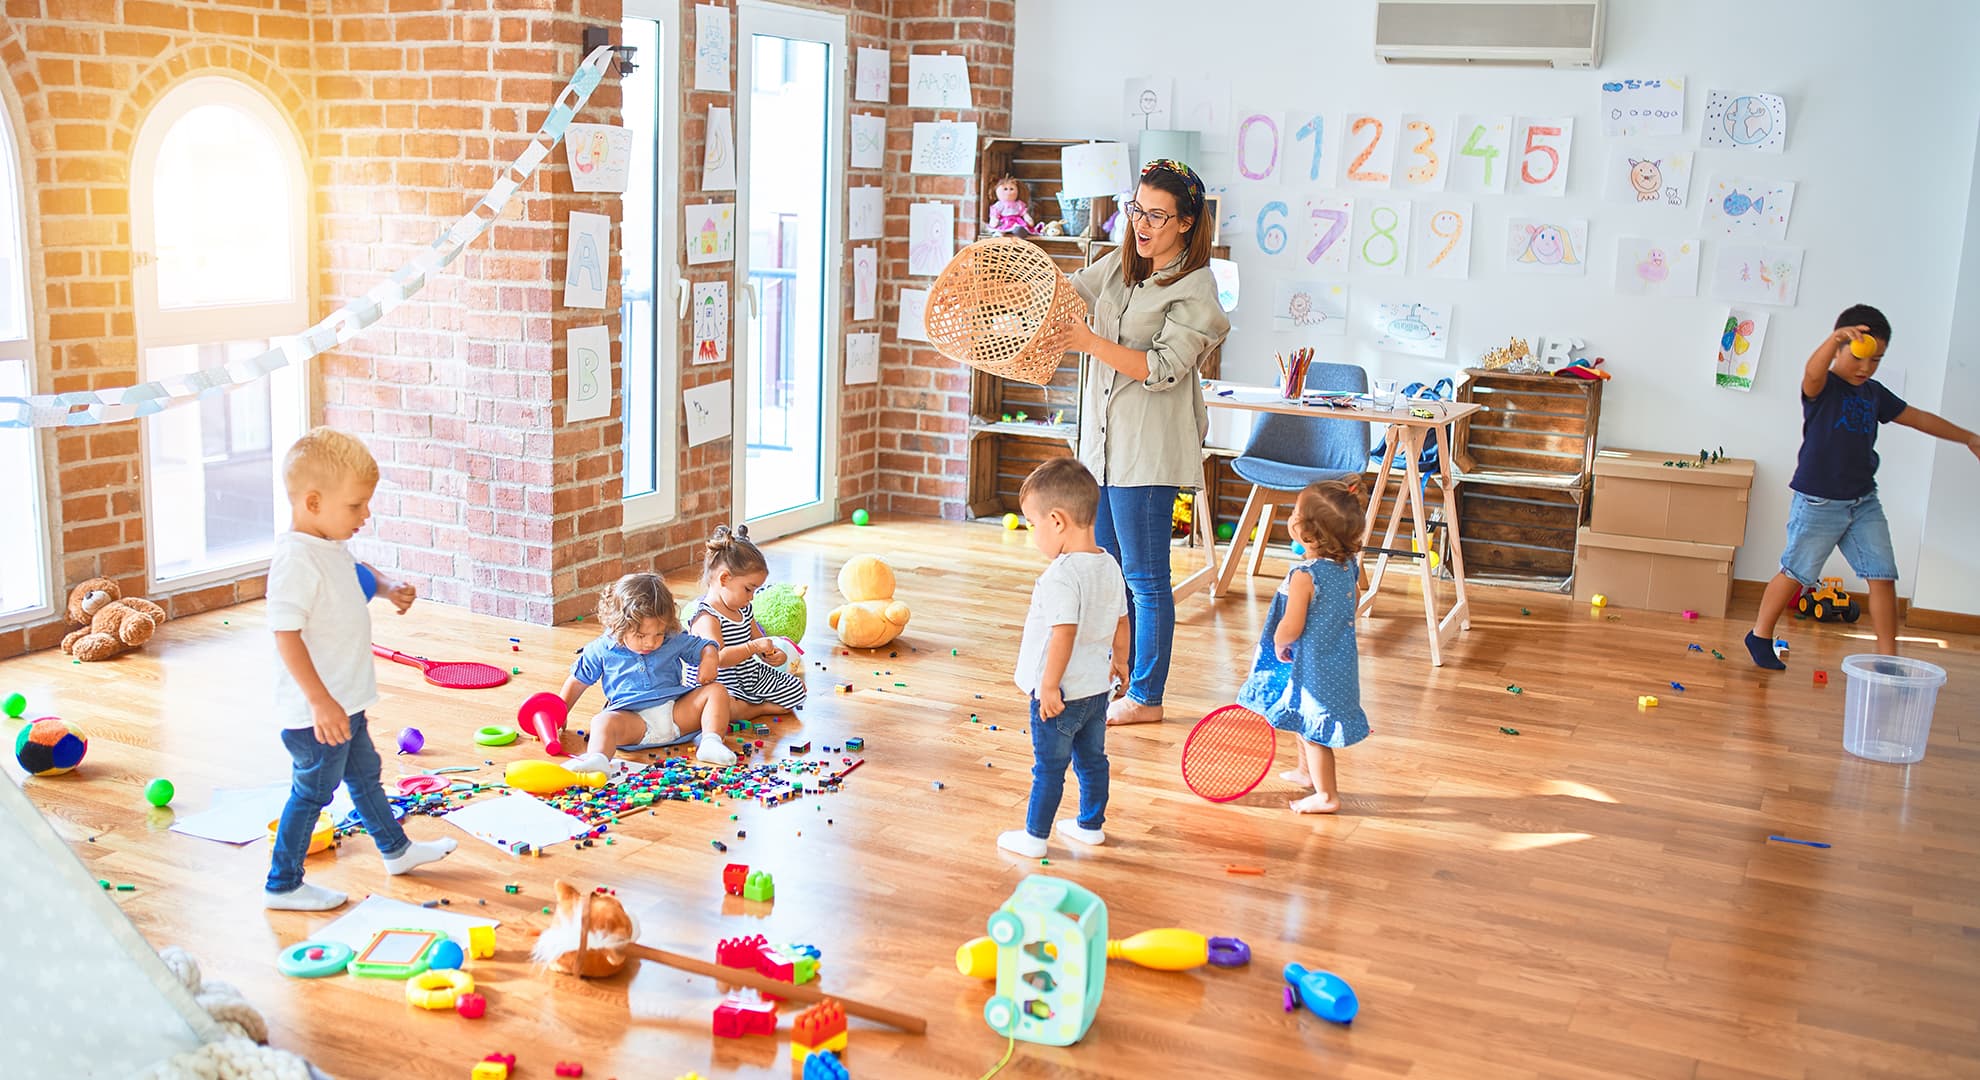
pixel 1292 372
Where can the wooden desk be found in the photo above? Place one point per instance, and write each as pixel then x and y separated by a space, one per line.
pixel 1402 430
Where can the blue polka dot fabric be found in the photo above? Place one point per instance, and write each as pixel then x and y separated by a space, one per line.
pixel 1317 696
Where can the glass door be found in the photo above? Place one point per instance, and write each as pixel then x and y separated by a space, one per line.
pixel 791 100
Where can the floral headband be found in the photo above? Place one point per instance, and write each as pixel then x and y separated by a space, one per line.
pixel 1182 172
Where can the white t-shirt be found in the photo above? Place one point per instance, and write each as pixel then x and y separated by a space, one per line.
pixel 1083 588
pixel 313 587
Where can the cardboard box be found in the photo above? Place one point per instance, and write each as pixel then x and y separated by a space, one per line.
pixel 1636 494
pixel 1658 575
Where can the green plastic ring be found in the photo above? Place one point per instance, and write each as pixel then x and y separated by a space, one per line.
pixel 296 964
pixel 495 736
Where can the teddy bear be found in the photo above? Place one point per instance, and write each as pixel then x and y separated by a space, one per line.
pixel 871 617
pixel 110 622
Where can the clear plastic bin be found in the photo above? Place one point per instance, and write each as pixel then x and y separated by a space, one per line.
pixel 1887 715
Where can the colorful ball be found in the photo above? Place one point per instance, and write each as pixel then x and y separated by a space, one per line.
pixel 1226 530
pixel 49 747
pixel 1010 521
pixel 16 705
pixel 410 740
pixel 446 955
pixel 159 792
pixel 861 517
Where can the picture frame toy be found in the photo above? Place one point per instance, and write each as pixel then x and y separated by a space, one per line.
pixel 398 953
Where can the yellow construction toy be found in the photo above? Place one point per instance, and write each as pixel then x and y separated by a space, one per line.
pixel 1166 949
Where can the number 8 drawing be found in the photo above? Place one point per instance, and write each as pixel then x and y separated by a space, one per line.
pixel 1387 232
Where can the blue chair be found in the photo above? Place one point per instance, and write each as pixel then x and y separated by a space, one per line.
pixel 1285 453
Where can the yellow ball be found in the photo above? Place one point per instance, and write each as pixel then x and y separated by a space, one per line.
pixel 1010 521
pixel 1863 348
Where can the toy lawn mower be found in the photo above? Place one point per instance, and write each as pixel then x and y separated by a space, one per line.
pixel 1828 602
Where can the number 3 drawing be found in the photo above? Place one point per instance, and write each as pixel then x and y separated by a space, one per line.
pixel 1426 172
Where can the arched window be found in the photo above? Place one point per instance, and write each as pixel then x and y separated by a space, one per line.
pixel 23 536
pixel 219 207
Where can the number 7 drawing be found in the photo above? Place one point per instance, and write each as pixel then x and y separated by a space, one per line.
pixel 1337 221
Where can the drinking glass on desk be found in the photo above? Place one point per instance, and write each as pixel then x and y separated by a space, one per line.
pixel 1385 393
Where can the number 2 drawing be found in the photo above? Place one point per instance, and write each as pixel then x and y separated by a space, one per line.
pixel 1377 149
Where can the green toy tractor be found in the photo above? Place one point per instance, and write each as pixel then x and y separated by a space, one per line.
pixel 1828 602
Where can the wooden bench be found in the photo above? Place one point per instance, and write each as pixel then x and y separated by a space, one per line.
pixel 1525 467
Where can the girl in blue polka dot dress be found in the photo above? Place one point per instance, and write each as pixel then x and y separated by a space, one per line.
pixel 1306 677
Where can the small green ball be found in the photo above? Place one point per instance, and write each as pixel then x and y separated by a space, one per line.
pixel 861 517
pixel 159 792
pixel 16 705
pixel 1226 530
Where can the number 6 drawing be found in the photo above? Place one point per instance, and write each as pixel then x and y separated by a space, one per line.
pixel 1272 239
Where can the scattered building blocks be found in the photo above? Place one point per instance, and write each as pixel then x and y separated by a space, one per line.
pixel 733 876
pixel 743 952
pixel 1598 601
pixel 855 743
pixel 745 1014
pixel 1646 701
pixel 494 1067
pixel 569 1068
pixel 818 1029
pixel 1821 678
pixel 759 886
pixel 793 966
pixel 801 748
pixel 824 1065
pixel 471 1006
pixel 481 942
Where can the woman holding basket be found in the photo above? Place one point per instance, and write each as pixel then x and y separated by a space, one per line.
pixel 1142 421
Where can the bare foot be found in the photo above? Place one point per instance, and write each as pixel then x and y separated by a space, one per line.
pixel 1129 711
pixel 1317 803
pixel 1296 776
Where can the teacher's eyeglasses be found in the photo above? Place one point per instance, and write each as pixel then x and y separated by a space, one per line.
pixel 1157 218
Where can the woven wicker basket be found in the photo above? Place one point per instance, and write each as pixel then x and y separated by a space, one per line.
pixel 1000 306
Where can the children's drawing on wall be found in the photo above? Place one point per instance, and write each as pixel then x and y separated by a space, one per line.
pixel 587 373
pixel 586 258
pixel 944 148
pixel 1643 106
pixel 1203 105
pixel 862 358
pixel 1414 328
pixel 711 233
pixel 1747 209
pixel 1649 266
pixel 1227 210
pixel 1311 147
pixel 1381 236
pixel 1257 146
pixel 1425 152
pixel 871 74
pixel 1648 173
pixel 711 322
pixel 600 156
pixel 1094 167
pixel 718 159
pixel 1368 145
pixel 1229 283
pixel 869 141
pixel 1481 151
pixel 707 410
pixel 1540 155
pixel 1756 274
pixel 1150 103
pixel 1741 335
pixel 1317 307
pixel 1326 233
pixel 1742 121
pixel 711 48
pixel 938 81
pixel 1546 246
pixel 864 208
pixel 913 322
pixel 931 237
pixel 1443 240
pixel 866 282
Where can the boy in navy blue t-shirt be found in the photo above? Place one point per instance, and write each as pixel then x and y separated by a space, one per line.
pixel 1835 478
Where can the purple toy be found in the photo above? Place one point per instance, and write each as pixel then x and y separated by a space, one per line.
pixel 410 740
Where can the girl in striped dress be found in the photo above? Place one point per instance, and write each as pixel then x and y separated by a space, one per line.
pixel 749 664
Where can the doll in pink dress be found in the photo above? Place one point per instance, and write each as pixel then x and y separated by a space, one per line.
pixel 1010 215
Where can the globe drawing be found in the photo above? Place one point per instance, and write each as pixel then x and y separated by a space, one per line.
pixel 1747 120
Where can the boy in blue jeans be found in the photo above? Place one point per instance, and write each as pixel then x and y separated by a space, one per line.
pixel 1835 479
pixel 1074 651
pixel 316 607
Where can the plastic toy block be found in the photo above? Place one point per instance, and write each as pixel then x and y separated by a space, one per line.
pixel 738 1016
pixel 1690 614
pixel 819 1028
pixel 759 886
pixel 801 748
pixel 1646 702
pixel 737 727
pixel 472 1006
pixel 733 876
pixel 855 743
pixel 801 968
pixel 1694 647
pixel 1598 600
pixel 808 950
pixel 1678 686
pixel 744 952
pixel 1821 678
pixel 824 1065
pixel 481 942
pixel 494 1067
pixel 569 1068
pixel 762 729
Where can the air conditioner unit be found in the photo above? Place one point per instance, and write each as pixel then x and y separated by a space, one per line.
pixel 1536 33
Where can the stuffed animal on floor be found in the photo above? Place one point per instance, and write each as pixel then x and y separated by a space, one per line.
pixel 870 617
pixel 611 929
pixel 780 610
pixel 108 621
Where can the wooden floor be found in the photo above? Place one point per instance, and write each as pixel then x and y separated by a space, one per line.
pixel 1594 897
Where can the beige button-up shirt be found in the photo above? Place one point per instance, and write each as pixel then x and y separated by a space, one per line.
pixel 1148 432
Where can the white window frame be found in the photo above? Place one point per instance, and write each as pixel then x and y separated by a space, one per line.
pixel 158 327
pixel 662 504
pixel 804 24
pixel 23 350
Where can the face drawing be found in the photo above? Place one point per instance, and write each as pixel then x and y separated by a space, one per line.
pixel 1646 177
pixel 1548 245
pixel 1300 307
pixel 1654 266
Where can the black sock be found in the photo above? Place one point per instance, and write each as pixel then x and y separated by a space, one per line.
pixel 1763 652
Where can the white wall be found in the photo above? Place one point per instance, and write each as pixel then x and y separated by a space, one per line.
pixel 1881 102
pixel 1946 577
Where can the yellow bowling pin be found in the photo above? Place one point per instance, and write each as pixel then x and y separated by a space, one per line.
pixel 545 777
pixel 977 958
pixel 1167 949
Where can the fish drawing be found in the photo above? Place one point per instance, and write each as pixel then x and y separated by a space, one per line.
pixel 1737 203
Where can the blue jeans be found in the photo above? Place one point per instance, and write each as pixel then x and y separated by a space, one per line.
pixel 1819 526
pixel 1079 736
pixel 1133 525
pixel 319 769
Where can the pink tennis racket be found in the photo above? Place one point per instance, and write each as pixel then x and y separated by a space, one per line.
pixel 452 674
pixel 1227 753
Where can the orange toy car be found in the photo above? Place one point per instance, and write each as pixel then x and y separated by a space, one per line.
pixel 1828 602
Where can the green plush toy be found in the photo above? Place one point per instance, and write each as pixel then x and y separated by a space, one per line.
pixel 781 612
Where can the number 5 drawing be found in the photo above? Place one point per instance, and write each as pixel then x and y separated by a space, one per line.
pixel 1543 164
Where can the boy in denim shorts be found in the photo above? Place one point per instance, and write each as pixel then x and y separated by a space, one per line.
pixel 1835 479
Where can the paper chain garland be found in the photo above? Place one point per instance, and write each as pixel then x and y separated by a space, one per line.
pixel 82 408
